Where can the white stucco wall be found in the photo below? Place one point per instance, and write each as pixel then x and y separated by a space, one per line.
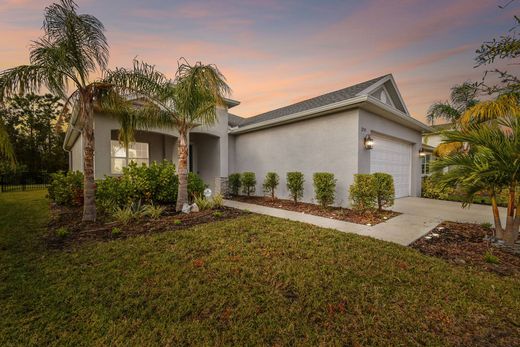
pixel 328 143
pixel 76 153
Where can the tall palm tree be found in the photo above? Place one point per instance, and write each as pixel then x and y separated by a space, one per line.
pixel 491 164
pixel 187 101
pixel 73 47
pixel 462 97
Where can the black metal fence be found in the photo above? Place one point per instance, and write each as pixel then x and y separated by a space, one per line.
pixel 22 181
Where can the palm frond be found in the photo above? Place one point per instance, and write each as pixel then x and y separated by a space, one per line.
pixel 22 79
pixel 505 105
pixel 442 110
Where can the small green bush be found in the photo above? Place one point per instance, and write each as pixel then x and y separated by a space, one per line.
pixel 363 192
pixel 486 225
pixel 295 182
pixel 62 232
pixel 203 204
pixel 116 231
pixel 129 213
pixel 271 182
pixel 218 201
pixel 248 181
pixel 217 214
pixel 490 258
pixel 324 188
pixel 431 188
pixel 177 222
pixel 152 211
pixel 234 183
pixel 196 186
pixel 156 183
pixel 385 191
pixel 66 188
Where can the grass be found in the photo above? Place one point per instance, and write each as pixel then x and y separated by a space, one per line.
pixel 253 280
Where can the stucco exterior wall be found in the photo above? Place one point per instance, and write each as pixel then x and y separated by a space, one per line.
pixel 328 143
pixel 372 123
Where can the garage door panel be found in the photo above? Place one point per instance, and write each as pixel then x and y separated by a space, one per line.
pixel 393 157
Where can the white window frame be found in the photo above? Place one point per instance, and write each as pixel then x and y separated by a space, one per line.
pixel 125 154
pixel 425 164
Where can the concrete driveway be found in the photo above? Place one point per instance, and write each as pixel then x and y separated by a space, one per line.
pixel 418 217
pixel 446 210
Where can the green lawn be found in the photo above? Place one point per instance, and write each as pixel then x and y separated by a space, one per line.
pixel 249 281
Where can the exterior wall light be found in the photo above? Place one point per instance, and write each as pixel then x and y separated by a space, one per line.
pixel 422 152
pixel 368 142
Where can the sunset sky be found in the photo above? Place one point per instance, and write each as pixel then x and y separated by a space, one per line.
pixel 274 53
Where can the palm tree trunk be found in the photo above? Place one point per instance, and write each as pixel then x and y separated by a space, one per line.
pixel 511 230
pixel 89 188
pixel 499 231
pixel 182 169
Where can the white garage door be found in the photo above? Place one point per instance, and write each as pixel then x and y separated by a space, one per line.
pixel 393 157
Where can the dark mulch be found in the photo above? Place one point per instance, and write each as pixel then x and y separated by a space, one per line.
pixel 81 232
pixel 466 244
pixel 339 213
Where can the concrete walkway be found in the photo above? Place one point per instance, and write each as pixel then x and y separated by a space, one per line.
pixel 418 217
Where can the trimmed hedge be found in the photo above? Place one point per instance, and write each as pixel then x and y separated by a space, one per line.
pixel 363 192
pixel 66 188
pixel 234 184
pixel 271 182
pixel 295 182
pixel 324 188
pixel 385 191
pixel 248 181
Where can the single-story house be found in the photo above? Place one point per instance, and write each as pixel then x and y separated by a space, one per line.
pixel 363 128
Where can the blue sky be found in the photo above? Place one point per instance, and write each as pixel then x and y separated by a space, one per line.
pixel 274 53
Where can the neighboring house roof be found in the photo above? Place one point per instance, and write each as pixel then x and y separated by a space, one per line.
pixel 322 100
pixel 358 95
pixel 234 120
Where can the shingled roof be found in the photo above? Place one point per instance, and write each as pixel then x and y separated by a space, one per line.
pixel 322 100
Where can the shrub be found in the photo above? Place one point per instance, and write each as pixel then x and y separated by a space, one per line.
pixel 203 204
pixel 234 182
pixel 177 222
pixel 66 188
pixel 217 214
pixel 62 232
pixel 490 258
pixel 271 182
pixel 324 188
pixel 129 213
pixel 248 182
pixel 116 231
pixel 196 186
pixel 486 225
pixel 156 183
pixel 154 212
pixel 218 201
pixel 295 182
pixel 363 192
pixel 385 191
pixel 432 189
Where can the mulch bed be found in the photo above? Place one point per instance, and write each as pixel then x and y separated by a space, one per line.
pixel 81 232
pixel 339 213
pixel 466 244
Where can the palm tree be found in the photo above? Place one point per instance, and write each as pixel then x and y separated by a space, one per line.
pixel 72 48
pixel 462 97
pixel 188 101
pixel 491 164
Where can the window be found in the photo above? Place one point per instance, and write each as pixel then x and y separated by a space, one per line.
pixel 425 164
pixel 137 152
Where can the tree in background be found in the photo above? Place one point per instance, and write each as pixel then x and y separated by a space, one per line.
pixel 462 97
pixel 6 148
pixel 36 131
